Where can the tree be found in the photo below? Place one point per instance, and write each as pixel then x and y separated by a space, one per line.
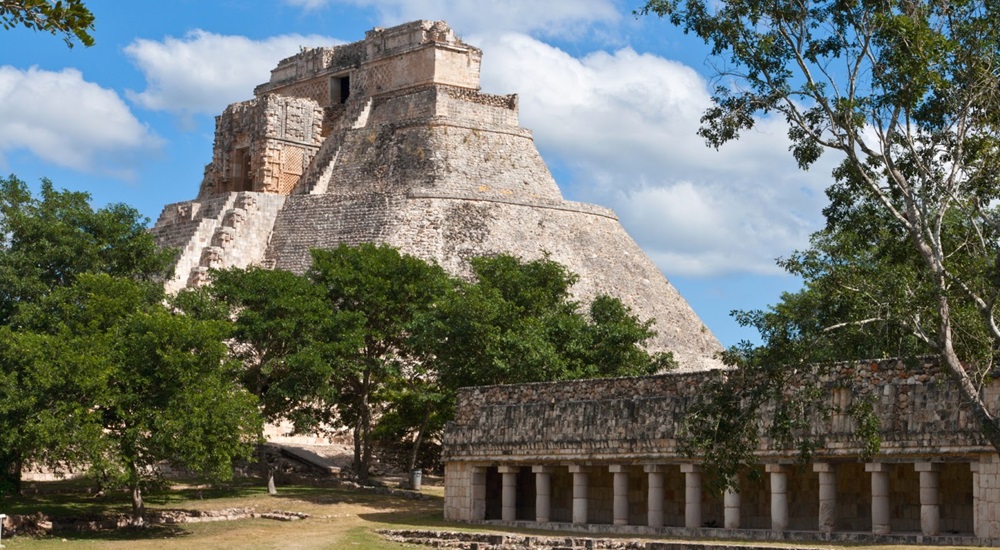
pixel 906 91
pixel 283 327
pixel 129 383
pixel 379 341
pixel 380 293
pixel 70 18
pixel 46 243
pixel 518 323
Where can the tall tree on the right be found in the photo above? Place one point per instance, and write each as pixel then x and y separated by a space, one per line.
pixel 907 92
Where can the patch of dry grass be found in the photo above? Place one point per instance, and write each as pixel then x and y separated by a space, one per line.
pixel 339 518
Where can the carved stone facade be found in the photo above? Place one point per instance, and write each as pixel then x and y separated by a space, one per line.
pixel 603 456
pixel 389 140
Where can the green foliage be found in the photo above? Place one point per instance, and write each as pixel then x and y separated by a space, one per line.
pixel 119 382
pixel 46 241
pixel 281 325
pixel 70 18
pixel 382 293
pixel 905 93
pixel 517 323
pixel 378 341
pixel 96 369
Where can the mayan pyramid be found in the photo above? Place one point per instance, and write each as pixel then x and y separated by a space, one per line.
pixel 389 140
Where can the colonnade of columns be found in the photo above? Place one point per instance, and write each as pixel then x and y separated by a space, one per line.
pixel 930 516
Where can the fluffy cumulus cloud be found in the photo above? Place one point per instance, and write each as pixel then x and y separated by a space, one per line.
pixel 624 125
pixel 202 72
pixel 548 18
pixel 63 119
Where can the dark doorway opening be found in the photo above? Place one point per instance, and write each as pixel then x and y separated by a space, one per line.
pixel 340 89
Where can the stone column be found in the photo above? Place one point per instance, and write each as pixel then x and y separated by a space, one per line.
pixel 543 492
pixel 731 517
pixel 620 506
pixel 827 496
pixel 880 497
pixel 692 495
pixel 930 511
pixel 478 493
pixel 654 503
pixel 779 496
pixel 508 498
pixel 976 503
pixel 579 493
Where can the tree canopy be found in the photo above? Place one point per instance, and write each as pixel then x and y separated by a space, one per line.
pixel 96 368
pixel 70 18
pixel 378 341
pixel 906 93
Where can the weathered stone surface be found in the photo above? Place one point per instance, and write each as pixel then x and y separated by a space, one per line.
pixel 389 140
pixel 640 419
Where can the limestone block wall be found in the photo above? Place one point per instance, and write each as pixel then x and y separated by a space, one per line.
pixel 227 231
pixel 264 144
pixel 306 74
pixel 190 226
pixel 588 240
pixel 640 418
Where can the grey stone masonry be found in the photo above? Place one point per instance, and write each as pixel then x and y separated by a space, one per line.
pixel 612 453
pixel 641 419
pixel 390 140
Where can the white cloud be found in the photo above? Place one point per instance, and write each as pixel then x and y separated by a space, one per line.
pixel 625 123
pixel 549 17
pixel 65 120
pixel 204 72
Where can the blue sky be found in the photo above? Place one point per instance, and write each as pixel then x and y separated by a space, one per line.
pixel 613 100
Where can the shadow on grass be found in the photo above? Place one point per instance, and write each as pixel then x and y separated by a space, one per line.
pixel 344 495
pixel 126 533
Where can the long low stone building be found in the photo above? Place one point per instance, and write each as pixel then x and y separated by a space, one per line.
pixel 604 456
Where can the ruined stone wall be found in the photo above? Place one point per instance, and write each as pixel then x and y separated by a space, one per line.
pixel 640 419
pixel 263 145
pixel 230 230
pixel 307 74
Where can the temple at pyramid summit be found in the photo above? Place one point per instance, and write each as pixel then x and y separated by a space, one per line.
pixel 390 140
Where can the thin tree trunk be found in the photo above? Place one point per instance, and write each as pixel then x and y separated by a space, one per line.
pixel 16 473
pixel 415 452
pixel 357 448
pixel 953 365
pixel 366 444
pixel 271 489
pixel 138 507
pixel 265 459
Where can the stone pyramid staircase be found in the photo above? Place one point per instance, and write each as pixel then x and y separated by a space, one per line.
pixel 317 179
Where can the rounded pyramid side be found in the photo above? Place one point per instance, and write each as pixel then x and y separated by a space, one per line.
pixel 588 240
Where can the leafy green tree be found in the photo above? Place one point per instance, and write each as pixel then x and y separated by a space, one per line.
pixel 382 292
pixel 46 242
pixel 905 92
pixel 131 383
pixel 517 322
pixel 283 329
pixel 70 18
pixel 379 341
